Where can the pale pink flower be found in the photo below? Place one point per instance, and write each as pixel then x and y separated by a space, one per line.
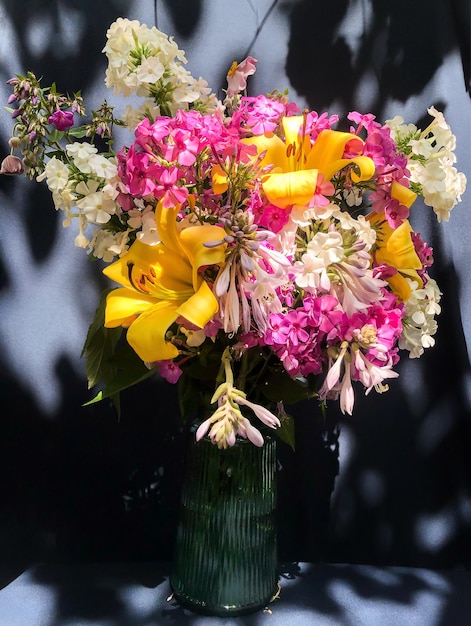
pixel 238 74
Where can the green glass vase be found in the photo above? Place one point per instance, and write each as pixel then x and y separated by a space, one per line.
pixel 225 560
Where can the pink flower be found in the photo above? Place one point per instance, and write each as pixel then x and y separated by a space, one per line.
pixel 273 218
pixel 264 114
pixel 166 188
pixel 184 148
pixel 148 134
pixel 12 165
pixel 395 212
pixel 323 188
pixel 169 370
pixel 238 74
pixel 62 120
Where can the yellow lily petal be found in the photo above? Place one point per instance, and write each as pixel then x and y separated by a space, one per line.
pixel 293 177
pixel 166 221
pixel 201 307
pixel 400 286
pixel 146 335
pixel 162 283
pixel 192 242
pixel 285 189
pixel 295 155
pixel 154 270
pixel 327 152
pixel 403 194
pixel 123 305
pixel 292 125
pixel 399 251
pixel 219 179
pixel 396 249
pixel 273 148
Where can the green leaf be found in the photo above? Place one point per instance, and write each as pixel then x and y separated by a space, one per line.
pixel 206 366
pixel 193 396
pixel 56 135
pixel 99 347
pixel 78 132
pixel 123 379
pixel 286 431
pixel 280 387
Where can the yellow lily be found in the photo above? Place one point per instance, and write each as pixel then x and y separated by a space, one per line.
pixel 396 249
pixel 297 164
pixel 163 282
pixel 402 194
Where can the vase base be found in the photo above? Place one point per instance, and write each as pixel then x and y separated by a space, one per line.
pixel 221 610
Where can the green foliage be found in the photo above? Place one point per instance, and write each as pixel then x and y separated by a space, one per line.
pixel 286 431
pixel 110 361
pixel 99 346
pixel 280 387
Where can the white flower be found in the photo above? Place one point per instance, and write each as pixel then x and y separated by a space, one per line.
pixel 107 245
pixel 311 274
pixel 398 128
pixel 353 196
pixel 133 115
pixel 103 167
pixel 150 70
pixel 194 338
pixel 56 174
pixel 360 225
pixel 81 152
pixel 97 205
pixel 419 324
pixel 328 247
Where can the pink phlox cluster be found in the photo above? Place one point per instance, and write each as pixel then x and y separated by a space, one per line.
pixel 265 214
pixel 389 167
pixel 161 161
pixel 316 123
pixel 258 115
pixel 365 351
pixel 273 218
pixel 425 254
pixel 299 337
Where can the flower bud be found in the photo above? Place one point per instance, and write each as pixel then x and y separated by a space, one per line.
pixel 14 142
pixel 12 165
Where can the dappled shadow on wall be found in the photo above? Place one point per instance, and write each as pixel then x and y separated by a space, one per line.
pixel 75 480
pixel 403 495
pixel 403 492
pixel 356 52
pixel 185 14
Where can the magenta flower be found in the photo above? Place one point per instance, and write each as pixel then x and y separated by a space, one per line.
pixel 273 218
pixel 62 120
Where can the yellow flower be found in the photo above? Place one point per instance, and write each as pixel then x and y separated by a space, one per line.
pixel 396 249
pixel 296 163
pixel 162 283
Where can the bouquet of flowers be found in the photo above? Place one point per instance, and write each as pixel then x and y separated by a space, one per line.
pixel 263 257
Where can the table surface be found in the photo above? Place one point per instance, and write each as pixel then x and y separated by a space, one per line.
pixel 137 594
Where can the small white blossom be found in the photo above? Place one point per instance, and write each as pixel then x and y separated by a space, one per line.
pixel 56 174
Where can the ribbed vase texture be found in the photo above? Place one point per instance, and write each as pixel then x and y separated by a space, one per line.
pixel 225 559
